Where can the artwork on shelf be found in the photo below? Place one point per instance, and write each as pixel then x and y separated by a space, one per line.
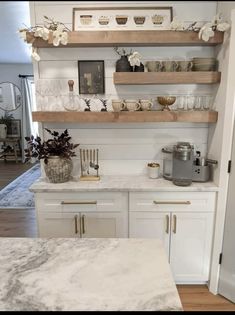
pixel 129 18
pixel 14 128
pixel 91 76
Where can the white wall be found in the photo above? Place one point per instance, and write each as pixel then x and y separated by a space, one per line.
pixel 124 149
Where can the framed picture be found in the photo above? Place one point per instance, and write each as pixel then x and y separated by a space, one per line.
pixel 14 128
pixel 122 18
pixel 91 76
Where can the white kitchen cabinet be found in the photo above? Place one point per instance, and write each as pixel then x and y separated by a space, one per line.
pixel 184 222
pixel 150 225
pixel 191 239
pixel 82 214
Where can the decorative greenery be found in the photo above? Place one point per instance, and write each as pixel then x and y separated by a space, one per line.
pixel 59 145
pixel 122 52
pixel 6 119
pixel 87 101
pixel 104 103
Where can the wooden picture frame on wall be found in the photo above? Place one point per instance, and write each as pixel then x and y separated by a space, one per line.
pixel 91 77
pixel 122 18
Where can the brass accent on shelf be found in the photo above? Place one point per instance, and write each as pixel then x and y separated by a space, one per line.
pixel 174 223
pixel 167 224
pixel 79 202
pixel 127 117
pixel 76 223
pixel 172 202
pixel 83 224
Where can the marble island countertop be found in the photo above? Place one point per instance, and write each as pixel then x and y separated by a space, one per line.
pixel 120 183
pixel 85 274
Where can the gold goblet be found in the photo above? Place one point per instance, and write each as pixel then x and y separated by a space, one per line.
pixel 166 101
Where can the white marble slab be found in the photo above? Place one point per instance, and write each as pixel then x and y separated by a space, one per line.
pixel 85 274
pixel 120 183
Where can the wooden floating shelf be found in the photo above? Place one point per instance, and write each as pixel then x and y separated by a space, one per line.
pixel 127 117
pixel 129 38
pixel 143 78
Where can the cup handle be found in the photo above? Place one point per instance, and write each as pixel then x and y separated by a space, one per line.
pixel 138 105
pixel 190 65
pixel 123 106
pixel 150 105
pixel 176 65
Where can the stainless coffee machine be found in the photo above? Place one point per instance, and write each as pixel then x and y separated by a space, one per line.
pixel 182 166
pixel 178 163
pixel 183 157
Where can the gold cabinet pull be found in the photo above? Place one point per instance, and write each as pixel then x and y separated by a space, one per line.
pixel 83 224
pixel 172 202
pixel 174 223
pixel 92 202
pixel 167 223
pixel 76 223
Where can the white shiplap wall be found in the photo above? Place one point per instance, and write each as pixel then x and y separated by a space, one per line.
pixel 124 148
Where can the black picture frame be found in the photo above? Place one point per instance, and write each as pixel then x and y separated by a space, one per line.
pixel 14 128
pixel 91 76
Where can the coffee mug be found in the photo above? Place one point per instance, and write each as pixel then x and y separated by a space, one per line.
pixel 145 104
pixel 118 105
pixel 154 66
pixel 185 65
pixel 132 105
pixel 170 65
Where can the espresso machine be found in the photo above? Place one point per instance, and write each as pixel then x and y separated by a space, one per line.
pixel 183 157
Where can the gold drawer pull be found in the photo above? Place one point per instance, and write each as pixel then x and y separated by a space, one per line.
pixel 167 224
pixel 79 202
pixel 76 223
pixel 83 224
pixel 174 223
pixel 172 202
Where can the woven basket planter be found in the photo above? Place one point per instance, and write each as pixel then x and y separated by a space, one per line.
pixel 58 170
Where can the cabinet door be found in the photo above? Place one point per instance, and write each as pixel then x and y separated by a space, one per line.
pixel 191 237
pixel 106 224
pixel 150 225
pixel 52 224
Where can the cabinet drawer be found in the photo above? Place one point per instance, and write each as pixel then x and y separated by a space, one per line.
pixel 82 202
pixel 172 201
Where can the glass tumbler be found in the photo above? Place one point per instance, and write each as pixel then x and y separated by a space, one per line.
pixel 190 102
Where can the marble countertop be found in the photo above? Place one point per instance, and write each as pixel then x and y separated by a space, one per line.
pixel 85 274
pixel 120 183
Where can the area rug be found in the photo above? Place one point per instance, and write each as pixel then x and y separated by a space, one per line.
pixel 17 194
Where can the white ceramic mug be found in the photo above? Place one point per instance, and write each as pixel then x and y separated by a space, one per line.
pixel 146 104
pixel 132 105
pixel 118 105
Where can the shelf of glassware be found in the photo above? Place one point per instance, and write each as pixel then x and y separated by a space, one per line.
pixel 126 116
pixel 129 38
pixel 142 78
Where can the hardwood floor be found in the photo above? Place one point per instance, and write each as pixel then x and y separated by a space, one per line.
pixel 18 223
pixel 22 223
pixel 10 170
pixel 198 298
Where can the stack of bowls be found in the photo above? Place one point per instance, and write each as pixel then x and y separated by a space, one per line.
pixel 204 64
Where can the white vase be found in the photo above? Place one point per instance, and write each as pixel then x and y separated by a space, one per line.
pixel 3 131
